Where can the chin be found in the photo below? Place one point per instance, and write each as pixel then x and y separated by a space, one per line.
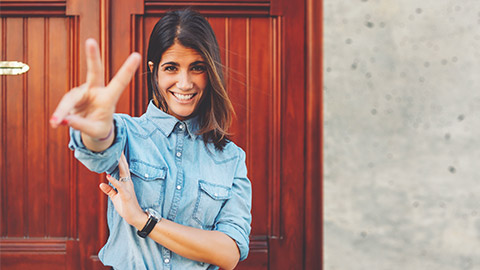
pixel 182 114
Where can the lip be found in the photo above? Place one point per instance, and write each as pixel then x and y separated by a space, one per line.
pixel 182 101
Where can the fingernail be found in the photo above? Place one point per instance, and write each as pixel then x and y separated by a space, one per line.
pixel 53 119
pixel 108 175
pixel 64 122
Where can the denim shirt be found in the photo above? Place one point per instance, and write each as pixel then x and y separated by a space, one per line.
pixel 174 173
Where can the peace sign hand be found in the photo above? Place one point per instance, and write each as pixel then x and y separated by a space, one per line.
pixel 89 108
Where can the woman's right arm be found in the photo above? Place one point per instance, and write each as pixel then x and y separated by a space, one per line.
pixel 89 108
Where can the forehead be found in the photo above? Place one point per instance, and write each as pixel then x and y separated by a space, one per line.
pixel 179 53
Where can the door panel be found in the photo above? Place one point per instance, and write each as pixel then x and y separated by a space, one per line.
pixel 41 225
pixel 35 163
pixel 31 160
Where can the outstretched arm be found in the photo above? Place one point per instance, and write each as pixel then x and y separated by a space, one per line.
pixel 89 108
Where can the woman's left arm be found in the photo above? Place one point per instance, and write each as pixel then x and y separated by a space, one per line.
pixel 213 247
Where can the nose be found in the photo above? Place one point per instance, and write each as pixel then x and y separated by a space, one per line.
pixel 184 81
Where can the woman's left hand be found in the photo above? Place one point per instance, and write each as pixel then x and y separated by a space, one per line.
pixel 124 198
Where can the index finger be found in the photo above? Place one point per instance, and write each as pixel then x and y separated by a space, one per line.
pixel 94 63
pixel 124 74
pixel 66 104
pixel 124 171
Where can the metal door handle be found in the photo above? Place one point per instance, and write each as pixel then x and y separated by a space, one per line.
pixel 13 68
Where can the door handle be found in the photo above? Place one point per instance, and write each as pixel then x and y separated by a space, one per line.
pixel 13 68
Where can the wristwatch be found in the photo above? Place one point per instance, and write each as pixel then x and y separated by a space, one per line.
pixel 153 219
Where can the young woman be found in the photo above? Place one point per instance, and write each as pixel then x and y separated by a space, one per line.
pixel 179 196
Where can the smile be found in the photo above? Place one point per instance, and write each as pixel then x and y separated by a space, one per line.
pixel 183 97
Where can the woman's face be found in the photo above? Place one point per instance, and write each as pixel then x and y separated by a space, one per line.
pixel 182 78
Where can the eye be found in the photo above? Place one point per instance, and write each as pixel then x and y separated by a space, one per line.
pixel 170 68
pixel 199 68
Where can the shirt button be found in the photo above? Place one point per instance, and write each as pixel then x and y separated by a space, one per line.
pixel 146 175
pixel 166 260
pixel 181 127
pixel 179 187
pixel 216 194
pixel 179 154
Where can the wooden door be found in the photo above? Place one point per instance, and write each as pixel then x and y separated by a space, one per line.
pixel 52 212
pixel 262 46
pixel 53 215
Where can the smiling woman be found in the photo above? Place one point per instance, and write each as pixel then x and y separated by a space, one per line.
pixel 184 59
pixel 183 198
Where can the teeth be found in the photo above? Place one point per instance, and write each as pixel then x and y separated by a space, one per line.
pixel 183 97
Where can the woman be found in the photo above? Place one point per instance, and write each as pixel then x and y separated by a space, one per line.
pixel 186 203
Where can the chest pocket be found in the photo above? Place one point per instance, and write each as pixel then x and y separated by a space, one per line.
pixel 149 182
pixel 209 202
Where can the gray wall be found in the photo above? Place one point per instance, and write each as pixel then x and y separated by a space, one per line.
pixel 402 134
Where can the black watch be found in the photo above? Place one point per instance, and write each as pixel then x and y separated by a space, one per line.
pixel 153 219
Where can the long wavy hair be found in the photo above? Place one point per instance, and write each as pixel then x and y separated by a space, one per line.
pixel 192 30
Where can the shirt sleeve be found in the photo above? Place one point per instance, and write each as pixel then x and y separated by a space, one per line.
pixel 235 217
pixel 99 162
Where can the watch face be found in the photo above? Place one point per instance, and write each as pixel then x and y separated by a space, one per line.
pixel 153 213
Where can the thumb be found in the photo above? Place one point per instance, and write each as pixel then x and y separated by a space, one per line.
pixel 91 128
pixel 108 190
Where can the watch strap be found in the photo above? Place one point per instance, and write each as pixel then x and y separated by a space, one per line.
pixel 151 222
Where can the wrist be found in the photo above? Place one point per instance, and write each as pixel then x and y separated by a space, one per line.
pixel 140 221
pixel 110 133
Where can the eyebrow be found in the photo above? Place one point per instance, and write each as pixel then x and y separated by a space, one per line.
pixel 197 63
pixel 170 63
pixel 176 64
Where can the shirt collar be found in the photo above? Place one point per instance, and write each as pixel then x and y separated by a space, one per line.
pixel 166 123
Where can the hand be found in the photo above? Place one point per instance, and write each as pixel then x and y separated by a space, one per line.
pixel 89 108
pixel 124 199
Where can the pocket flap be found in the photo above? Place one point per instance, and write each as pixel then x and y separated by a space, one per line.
pixel 147 172
pixel 217 192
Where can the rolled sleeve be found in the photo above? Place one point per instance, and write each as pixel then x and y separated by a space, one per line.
pixel 104 161
pixel 235 216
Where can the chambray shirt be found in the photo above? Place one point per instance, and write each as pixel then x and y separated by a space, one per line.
pixel 177 175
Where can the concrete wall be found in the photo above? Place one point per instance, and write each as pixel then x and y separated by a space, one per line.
pixel 402 134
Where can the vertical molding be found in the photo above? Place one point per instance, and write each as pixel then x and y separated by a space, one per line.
pixel 136 45
pixel 105 36
pixel 105 23
pixel 227 47
pixel 275 132
pixel 132 85
pixel 4 221
pixel 25 128
pixel 72 229
pixel 46 88
pixel 247 67
pixel 313 232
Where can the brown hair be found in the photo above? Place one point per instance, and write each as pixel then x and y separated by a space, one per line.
pixel 192 30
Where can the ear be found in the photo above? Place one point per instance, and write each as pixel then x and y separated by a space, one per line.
pixel 150 65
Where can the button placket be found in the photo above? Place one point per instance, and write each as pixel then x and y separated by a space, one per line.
pixel 166 256
pixel 179 178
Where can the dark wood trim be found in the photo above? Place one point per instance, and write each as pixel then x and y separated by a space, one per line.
pixel 211 9
pixel 287 251
pixel 275 142
pixel 33 246
pixel 32 8
pixel 314 138
pixel 258 245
